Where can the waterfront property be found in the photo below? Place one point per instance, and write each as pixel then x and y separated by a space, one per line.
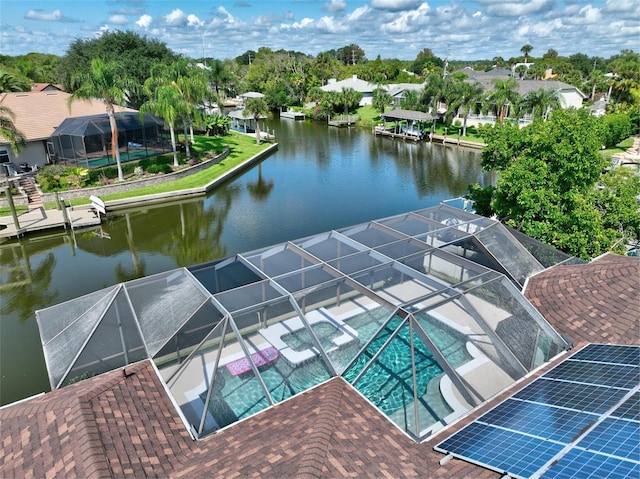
pixel 421 313
pixel 86 141
pixel 37 128
pixel 123 423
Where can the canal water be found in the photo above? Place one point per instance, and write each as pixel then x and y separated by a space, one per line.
pixel 320 178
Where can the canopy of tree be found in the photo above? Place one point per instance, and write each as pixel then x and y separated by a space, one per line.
pixel 136 54
pixel 551 185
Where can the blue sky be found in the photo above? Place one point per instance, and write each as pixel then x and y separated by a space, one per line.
pixel 461 30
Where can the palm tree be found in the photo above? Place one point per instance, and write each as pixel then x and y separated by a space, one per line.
pixel 191 83
pixel 469 95
pixel 256 108
pixel 521 70
pixel 381 99
pixel 9 131
pixel 541 101
pixel 502 96
pixel 11 83
pixel 106 82
pixel 169 104
pixel 526 49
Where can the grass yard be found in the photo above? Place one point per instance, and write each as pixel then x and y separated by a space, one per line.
pixel 619 148
pixel 241 146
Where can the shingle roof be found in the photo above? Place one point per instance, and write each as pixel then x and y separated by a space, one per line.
pixel 107 426
pixel 37 114
pixel 116 426
pixel 593 302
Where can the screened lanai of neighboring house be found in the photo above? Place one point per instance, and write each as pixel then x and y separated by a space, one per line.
pixel 86 141
pixel 422 313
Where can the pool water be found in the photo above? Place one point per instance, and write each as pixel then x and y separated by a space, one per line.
pixel 241 396
pixel 388 383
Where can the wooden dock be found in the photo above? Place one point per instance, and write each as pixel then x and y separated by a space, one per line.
pixel 342 123
pixel 398 134
pixel 40 220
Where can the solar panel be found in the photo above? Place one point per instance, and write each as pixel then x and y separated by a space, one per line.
pixel 630 409
pixel 579 420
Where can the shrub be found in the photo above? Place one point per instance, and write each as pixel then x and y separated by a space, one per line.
pixel 162 168
pixel 618 128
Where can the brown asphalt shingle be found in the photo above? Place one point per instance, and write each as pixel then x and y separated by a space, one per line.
pixel 112 426
pixel 594 302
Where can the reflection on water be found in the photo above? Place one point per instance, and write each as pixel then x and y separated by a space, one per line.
pixel 320 179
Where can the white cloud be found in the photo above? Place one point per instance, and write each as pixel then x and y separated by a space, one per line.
pixel 118 20
pixel 517 9
pixel 144 21
pixel 408 21
pixel 587 16
pixel 194 21
pixel 304 23
pixel 621 6
pixel 477 14
pixel 43 16
pixel 176 17
pixel 335 6
pixel 330 25
pixel 396 5
pixel 359 13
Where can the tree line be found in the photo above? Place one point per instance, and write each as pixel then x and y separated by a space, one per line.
pixel 550 183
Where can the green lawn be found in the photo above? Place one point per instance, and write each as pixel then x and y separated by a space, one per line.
pixel 619 148
pixel 6 211
pixel 242 147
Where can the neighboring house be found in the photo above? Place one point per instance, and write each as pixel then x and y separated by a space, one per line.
pixel 599 107
pixel 398 90
pixel 356 84
pixel 46 87
pixel 37 115
pixel 570 96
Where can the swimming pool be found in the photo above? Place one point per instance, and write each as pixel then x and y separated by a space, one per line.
pixel 389 383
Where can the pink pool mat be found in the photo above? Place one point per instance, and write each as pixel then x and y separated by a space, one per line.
pixel 261 358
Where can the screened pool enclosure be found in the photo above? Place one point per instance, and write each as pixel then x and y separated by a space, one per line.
pixel 421 313
pixel 86 140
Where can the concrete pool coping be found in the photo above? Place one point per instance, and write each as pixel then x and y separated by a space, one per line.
pixel 273 334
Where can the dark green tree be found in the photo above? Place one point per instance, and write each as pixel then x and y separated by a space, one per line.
pixel 351 54
pixel 426 62
pixel 551 184
pixel 136 54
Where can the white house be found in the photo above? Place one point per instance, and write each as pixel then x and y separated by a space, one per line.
pixel 355 83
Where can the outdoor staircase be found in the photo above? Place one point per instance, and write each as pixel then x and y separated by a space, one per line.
pixel 34 198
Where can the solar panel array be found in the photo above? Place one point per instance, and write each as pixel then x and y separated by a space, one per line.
pixel 579 420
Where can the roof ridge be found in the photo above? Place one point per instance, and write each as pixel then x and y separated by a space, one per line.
pixel 91 454
pixel 312 460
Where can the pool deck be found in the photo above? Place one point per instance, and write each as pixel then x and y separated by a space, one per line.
pixel 41 219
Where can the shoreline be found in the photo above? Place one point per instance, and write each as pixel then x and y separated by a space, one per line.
pixel 38 221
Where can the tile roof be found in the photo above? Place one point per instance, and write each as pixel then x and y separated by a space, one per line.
pixel 38 113
pixel 116 426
